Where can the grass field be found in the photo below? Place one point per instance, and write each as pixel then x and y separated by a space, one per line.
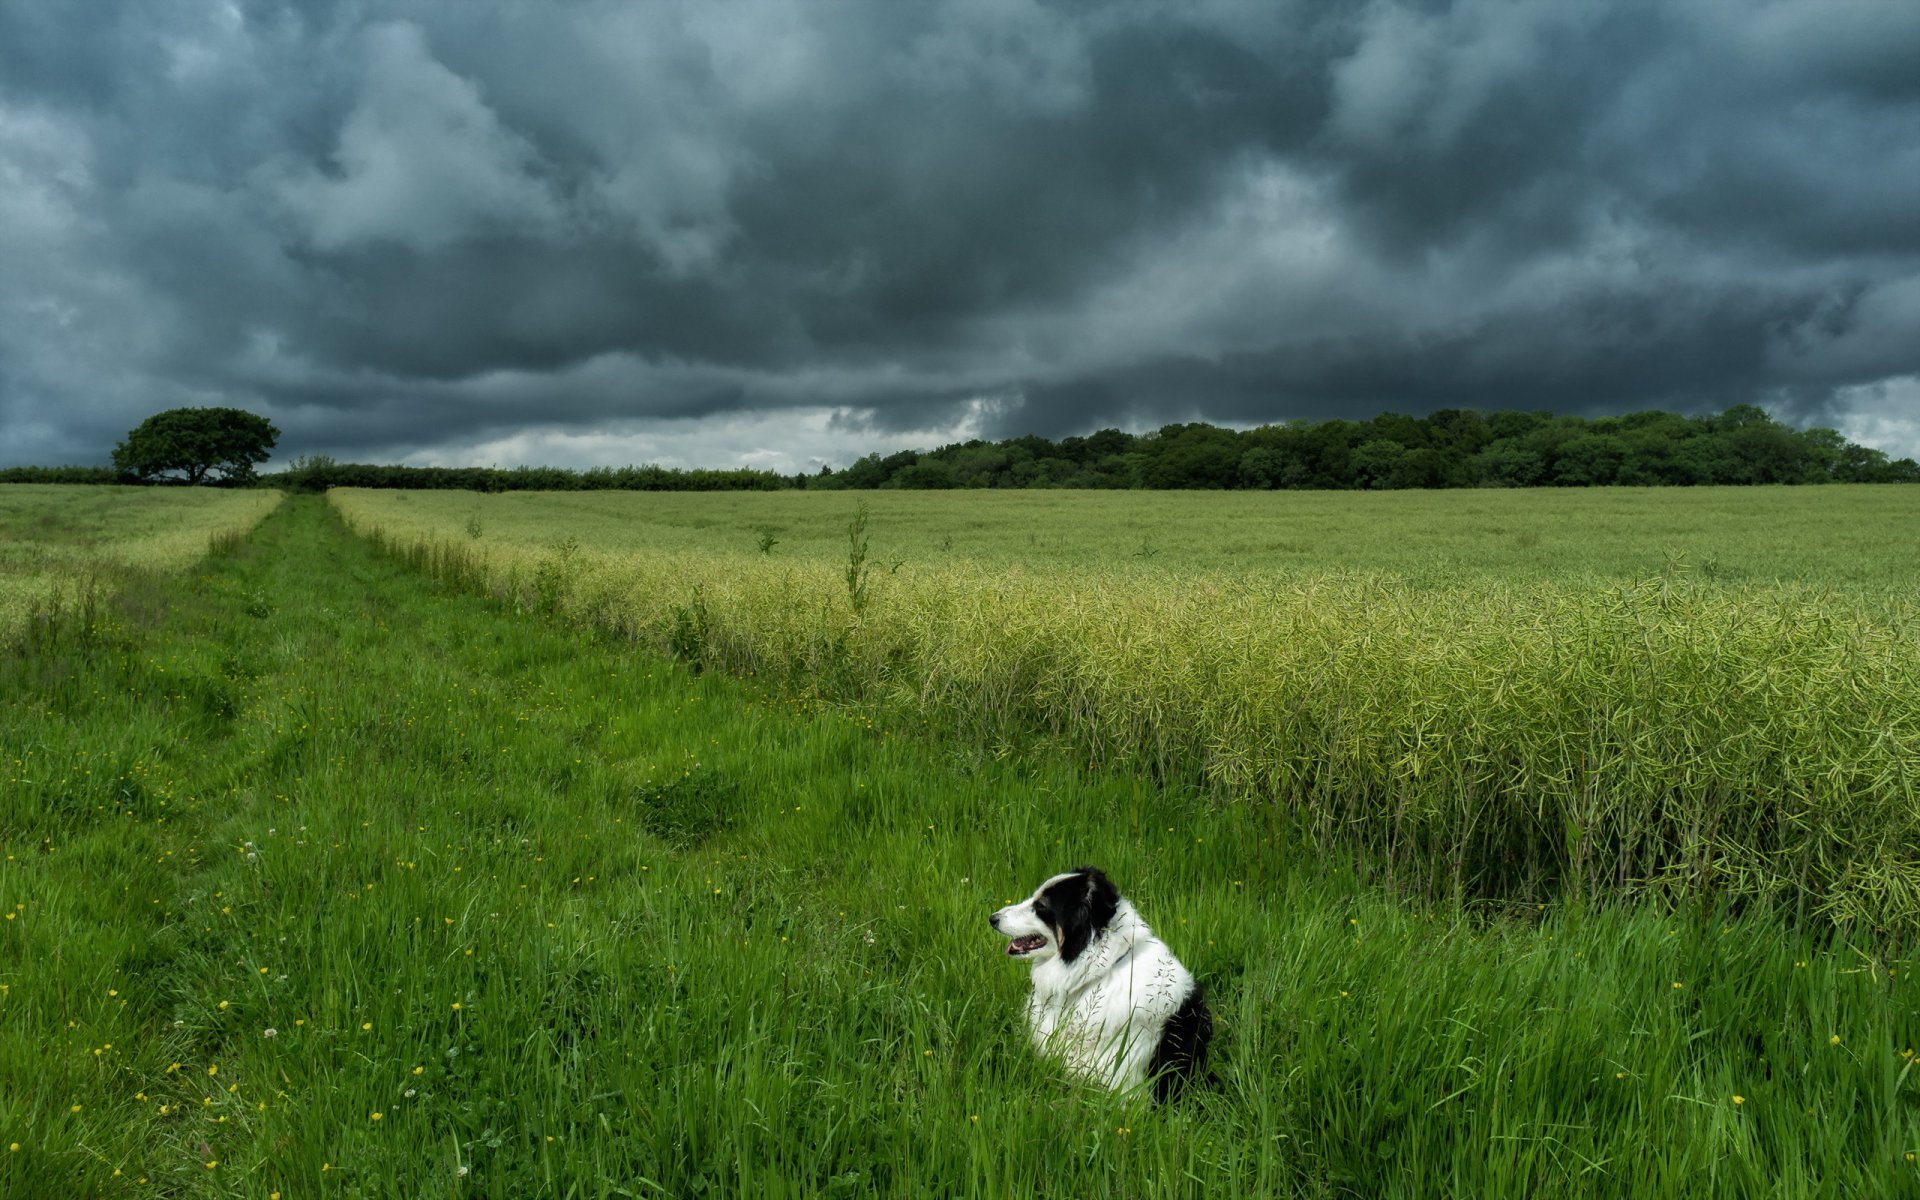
pixel 56 541
pixel 321 881
pixel 1512 695
pixel 1827 536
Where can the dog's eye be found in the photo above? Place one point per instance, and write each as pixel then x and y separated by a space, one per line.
pixel 1043 912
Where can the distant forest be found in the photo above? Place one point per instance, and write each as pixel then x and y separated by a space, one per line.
pixel 1446 449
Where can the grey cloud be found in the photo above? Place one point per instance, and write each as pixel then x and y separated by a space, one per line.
pixel 421 162
pixel 1627 352
pixel 407 228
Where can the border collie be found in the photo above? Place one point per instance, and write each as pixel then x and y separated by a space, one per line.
pixel 1108 998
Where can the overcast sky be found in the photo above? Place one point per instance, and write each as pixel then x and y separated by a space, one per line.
pixel 782 232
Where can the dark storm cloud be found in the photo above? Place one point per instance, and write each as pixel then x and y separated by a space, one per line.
pixel 418 230
pixel 1706 350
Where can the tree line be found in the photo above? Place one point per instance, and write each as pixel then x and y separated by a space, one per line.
pixel 1446 449
pixel 320 473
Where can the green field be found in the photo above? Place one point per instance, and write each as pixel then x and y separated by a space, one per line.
pixel 57 542
pixel 1826 536
pixel 325 880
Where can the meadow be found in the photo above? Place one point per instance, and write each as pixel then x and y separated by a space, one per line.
pixel 1823 536
pixel 1517 696
pixel 58 543
pixel 322 880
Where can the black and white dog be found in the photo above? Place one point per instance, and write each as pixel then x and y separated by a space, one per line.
pixel 1108 998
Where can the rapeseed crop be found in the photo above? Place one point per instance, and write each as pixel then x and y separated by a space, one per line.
pixel 1479 730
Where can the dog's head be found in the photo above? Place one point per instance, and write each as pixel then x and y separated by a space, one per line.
pixel 1061 916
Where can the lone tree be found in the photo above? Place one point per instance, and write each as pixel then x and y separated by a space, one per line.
pixel 196 442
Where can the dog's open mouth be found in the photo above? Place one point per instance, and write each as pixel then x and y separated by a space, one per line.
pixel 1025 945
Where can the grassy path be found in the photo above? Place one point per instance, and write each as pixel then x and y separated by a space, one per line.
pixel 319 882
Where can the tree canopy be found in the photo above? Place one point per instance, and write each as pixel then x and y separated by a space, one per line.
pixel 200 444
pixel 1449 448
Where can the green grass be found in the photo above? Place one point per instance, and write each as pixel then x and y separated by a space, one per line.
pixel 581 925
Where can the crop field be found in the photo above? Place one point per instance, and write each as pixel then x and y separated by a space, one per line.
pixel 1826 536
pixel 509 851
pixel 1719 695
pixel 57 541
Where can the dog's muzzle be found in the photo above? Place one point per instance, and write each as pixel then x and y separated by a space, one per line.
pixel 1019 946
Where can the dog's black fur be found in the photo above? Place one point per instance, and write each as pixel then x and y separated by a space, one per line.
pixel 1182 1054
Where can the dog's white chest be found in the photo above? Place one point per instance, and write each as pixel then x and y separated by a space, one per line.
pixel 1103 1014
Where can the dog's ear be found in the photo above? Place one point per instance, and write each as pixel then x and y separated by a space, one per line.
pixel 1102 898
pixel 1082 904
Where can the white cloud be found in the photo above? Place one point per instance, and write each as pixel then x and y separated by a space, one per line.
pixel 1884 415
pixel 788 441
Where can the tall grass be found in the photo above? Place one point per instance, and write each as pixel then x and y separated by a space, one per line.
pixel 374 890
pixel 64 548
pixel 1481 737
